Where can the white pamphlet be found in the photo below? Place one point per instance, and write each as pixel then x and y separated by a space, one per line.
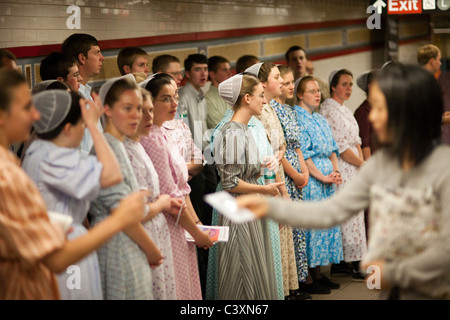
pixel 226 204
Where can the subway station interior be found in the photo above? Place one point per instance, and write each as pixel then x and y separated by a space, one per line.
pixel 357 35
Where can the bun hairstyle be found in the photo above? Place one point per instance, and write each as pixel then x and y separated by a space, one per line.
pixel 249 83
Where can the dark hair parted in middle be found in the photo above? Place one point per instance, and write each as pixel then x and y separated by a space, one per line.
pixel 155 85
pixel 335 80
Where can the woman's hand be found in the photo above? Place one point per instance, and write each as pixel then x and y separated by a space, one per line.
pixel 92 114
pixel 132 208
pixel 154 258
pixel 255 203
pixel 271 163
pixel 271 189
pixel 336 176
pixel 300 180
pixel 203 240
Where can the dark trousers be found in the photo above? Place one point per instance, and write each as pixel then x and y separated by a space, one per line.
pixel 203 183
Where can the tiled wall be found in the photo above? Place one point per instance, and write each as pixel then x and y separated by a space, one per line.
pixel 325 28
pixel 36 22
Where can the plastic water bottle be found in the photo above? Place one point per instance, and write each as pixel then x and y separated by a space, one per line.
pixel 183 113
pixel 269 176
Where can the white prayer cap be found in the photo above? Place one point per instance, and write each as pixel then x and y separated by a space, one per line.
pixel 143 84
pixel 43 85
pixel 53 106
pixel 229 89
pixel 297 82
pixel 254 69
pixel 332 74
pixel 108 84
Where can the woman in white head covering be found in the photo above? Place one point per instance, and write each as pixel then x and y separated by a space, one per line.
pixel 155 224
pixel 67 181
pixel 243 268
pixel 296 177
pixel 173 177
pixel 124 261
pixel 346 134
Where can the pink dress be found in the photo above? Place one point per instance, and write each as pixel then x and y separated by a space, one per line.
pixel 179 134
pixel 346 133
pixel 173 177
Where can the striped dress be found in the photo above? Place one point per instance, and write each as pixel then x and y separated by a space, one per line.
pixel 245 265
pixel 26 234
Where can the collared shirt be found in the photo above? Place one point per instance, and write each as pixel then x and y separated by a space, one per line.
pixel 87 142
pixel 194 102
pixel 215 106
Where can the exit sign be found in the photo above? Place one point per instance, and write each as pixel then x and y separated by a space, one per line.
pixel 404 6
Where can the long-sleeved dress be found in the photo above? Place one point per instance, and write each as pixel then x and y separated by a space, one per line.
pixel 68 183
pixel 346 134
pixel 322 246
pixel 173 177
pixel 157 228
pixel 245 263
pixel 124 268
pixel 421 274
pixel 27 236
pixel 288 120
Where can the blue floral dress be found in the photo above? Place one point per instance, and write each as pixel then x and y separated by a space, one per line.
pixel 323 246
pixel 292 134
pixel 264 149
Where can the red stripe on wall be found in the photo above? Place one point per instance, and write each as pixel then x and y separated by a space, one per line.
pixel 42 50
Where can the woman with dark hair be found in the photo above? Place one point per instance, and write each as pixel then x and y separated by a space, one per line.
pixel 346 134
pixel 406 185
pixel 173 177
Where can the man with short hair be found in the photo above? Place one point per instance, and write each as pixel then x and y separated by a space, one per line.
pixel 8 60
pixel 429 58
pixel 62 67
pixel 85 49
pixel 192 98
pixel 168 64
pixel 219 70
pixel 133 60
pixel 245 61
pixel 296 59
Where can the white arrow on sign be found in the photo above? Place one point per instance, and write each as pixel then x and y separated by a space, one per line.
pixel 379 5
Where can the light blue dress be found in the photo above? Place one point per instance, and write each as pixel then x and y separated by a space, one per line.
pixel 68 182
pixel 323 246
pixel 288 119
pixel 264 149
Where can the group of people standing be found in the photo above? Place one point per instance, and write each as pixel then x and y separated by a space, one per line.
pixel 164 141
